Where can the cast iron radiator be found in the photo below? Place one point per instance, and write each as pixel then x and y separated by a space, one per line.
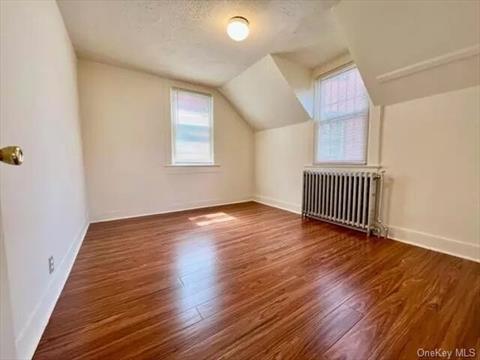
pixel 346 198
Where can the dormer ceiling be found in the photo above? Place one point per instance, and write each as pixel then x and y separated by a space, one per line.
pixel 264 96
pixel 187 40
pixel 411 49
pixel 403 49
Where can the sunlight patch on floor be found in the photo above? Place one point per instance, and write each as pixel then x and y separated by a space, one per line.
pixel 209 219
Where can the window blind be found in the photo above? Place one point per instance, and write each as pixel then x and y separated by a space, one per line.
pixel 192 127
pixel 341 116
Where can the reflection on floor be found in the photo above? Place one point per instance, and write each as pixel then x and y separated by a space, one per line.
pixel 248 281
pixel 211 218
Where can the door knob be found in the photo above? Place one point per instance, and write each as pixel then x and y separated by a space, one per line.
pixel 12 155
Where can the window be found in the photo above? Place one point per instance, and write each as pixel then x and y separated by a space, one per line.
pixel 192 127
pixel 341 118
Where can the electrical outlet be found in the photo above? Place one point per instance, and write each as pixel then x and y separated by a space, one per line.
pixel 51 265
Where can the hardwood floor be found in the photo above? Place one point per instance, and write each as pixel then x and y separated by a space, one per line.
pixel 249 281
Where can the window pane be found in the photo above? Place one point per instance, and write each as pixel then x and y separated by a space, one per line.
pixel 192 121
pixel 342 94
pixel 342 140
pixel 342 118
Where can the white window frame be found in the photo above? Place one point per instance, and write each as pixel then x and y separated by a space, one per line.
pixel 173 117
pixel 317 121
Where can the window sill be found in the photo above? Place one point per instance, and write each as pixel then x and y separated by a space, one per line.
pixel 341 166
pixel 192 168
pixel 191 165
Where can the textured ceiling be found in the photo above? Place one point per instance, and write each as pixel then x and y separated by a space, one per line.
pixel 187 39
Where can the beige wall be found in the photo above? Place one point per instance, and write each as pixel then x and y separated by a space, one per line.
pixel 126 136
pixel 43 201
pixel 430 151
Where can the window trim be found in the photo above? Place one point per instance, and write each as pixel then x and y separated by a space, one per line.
pixel 316 120
pixel 173 102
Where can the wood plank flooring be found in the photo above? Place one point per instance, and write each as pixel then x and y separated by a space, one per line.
pixel 248 281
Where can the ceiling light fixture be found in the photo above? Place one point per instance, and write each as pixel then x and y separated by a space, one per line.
pixel 237 28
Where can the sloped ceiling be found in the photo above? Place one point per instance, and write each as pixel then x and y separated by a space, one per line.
pixel 264 97
pixel 411 49
pixel 403 49
pixel 187 40
pixel 300 80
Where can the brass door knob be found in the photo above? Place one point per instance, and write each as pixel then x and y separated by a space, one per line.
pixel 12 155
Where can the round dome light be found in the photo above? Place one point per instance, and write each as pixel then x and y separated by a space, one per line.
pixel 237 28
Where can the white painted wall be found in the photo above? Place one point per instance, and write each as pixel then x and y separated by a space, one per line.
pixel 43 201
pixel 7 333
pixel 300 80
pixel 431 152
pixel 264 96
pixel 280 157
pixel 411 49
pixel 126 137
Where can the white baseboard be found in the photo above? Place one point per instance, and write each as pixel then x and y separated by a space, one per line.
pixel 265 200
pixel 436 243
pixel 29 337
pixel 192 206
pixel 412 237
